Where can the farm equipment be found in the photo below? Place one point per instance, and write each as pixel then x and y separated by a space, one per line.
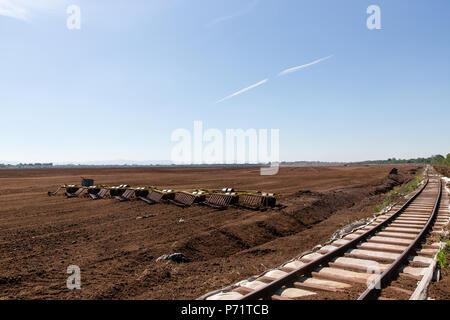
pixel 223 199
pixel 97 193
pixel 218 199
pixel 87 182
pixel 73 191
pixel 53 193
pixel 188 198
pixel 247 199
pixel 122 192
pixel 153 195
pixel 257 201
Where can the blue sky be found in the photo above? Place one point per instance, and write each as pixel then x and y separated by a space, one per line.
pixel 137 70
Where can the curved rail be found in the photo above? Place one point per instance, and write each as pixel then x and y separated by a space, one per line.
pixel 270 289
pixel 374 289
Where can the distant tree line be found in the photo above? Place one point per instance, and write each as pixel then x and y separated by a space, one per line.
pixel 437 160
pixel 27 165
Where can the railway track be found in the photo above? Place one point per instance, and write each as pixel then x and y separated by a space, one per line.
pixel 369 263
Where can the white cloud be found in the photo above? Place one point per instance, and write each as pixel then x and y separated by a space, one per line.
pixel 9 9
pixel 294 69
pixel 246 10
pixel 244 90
pixel 25 9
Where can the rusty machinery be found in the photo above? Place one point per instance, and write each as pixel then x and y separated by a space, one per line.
pixel 256 200
pixel 152 195
pixel 187 198
pixel 218 199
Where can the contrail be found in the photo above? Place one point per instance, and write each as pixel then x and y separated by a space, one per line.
pixel 243 90
pixel 282 73
pixel 294 69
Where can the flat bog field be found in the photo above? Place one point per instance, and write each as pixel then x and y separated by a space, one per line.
pixel 116 244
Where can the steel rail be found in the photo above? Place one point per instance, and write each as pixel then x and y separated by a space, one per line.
pixel 271 288
pixel 375 288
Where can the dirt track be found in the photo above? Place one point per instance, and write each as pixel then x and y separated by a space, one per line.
pixel 40 236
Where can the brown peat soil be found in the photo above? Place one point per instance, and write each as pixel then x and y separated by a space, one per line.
pixel 40 236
